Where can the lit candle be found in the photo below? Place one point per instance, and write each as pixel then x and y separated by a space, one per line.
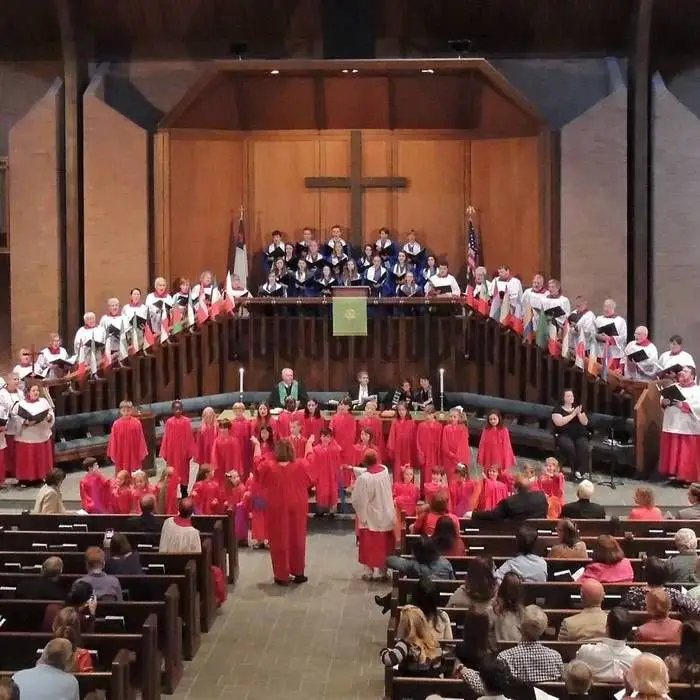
pixel 241 371
pixel 442 380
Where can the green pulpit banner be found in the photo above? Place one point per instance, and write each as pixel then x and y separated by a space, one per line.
pixel 349 315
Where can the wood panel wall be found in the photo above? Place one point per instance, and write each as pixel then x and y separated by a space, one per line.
pixel 211 172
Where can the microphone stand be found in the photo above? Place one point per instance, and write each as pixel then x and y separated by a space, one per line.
pixel 611 483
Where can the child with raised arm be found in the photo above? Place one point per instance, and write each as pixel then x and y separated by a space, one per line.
pixel 551 483
pixel 94 488
pixel 121 500
pixel 492 491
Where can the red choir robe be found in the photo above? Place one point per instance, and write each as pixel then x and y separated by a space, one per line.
pixel 455 448
pixel 127 445
pixel 376 425
pixel 205 441
pixel 256 425
pixel 553 488
pixel 325 463
pixel 406 496
pixel 121 499
pixel 431 488
pixel 225 456
pixel 284 420
pixel 492 493
pixel 177 447
pixel 256 506
pixel 241 429
pixel 428 448
pixel 230 496
pixel 462 496
pixel 95 493
pixel 401 446
pixel 299 445
pixel 348 475
pixel 167 502
pixel 286 487
pixel 344 428
pixel 313 426
pixel 495 448
pixel 138 493
pixel 205 495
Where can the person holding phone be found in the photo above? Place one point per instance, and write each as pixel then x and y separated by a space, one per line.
pixel 571 423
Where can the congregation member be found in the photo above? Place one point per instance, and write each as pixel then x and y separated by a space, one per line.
pixel 427 561
pixel 659 626
pixel 684 664
pixel 608 562
pixel 46 586
pixel 583 508
pixel 571 428
pixel 578 680
pixel 692 512
pixel 675 357
pixel 644 508
pixel 49 500
pixel 524 504
pixel 120 559
pixel 611 331
pixel 506 615
pixel 570 545
pixel 679 451
pixel 477 646
pixel 591 622
pixel 104 586
pixel 146 521
pixel 479 588
pixel 178 534
pixel 52 677
pixel 610 658
pixel 682 567
pixel 641 357
pixel 426 597
pixel 647 678
pixel 287 388
pixel 126 446
pixel 34 440
pixel 530 567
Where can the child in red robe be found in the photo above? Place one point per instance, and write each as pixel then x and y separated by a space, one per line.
pixel 462 493
pixel 401 446
pixel 177 447
pixel 208 431
pixel 226 453
pixel 231 499
pixel 241 429
pixel 493 491
pixel 121 499
pixel 297 440
pixel 140 487
pixel 127 445
pixel 494 444
pixel 438 484
pixel 455 443
pixel 167 492
pixel 344 429
pixel 372 420
pixel 325 460
pixel 365 444
pixel 529 471
pixel 256 507
pixel 406 493
pixel 313 421
pixel 94 489
pixel 205 492
pixel 283 422
pixel 428 443
pixel 267 444
pixel 262 419
pixel 552 485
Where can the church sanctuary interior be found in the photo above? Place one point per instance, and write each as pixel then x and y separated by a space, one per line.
pixel 347 349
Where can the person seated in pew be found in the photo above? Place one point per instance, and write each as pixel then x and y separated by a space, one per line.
pixel 447 538
pixel 591 622
pixel 146 521
pixel 52 677
pixel 644 506
pixel 656 574
pixel 438 508
pixel 287 388
pixel 104 586
pixel 360 392
pixel 584 508
pixel 578 680
pixel 120 558
pixel 477 645
pixel 610 658
pixel 531 567
pixel 506 615
pixel 524 504
pixel 8 689
pixel 46 586
pixel 426 597
pixel 647 678
pixel 178 534
pixel 66 625
pixel 570 545
pixel 692 512
pixel 609 564
pixel 660 627
pixel 531 661
pixel 80 598
pixel 426 561
pixel 682 567
pixel 684 665
pixel 417 651
pixel 479 588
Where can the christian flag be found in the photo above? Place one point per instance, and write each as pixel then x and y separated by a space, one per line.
pixel 202 315
pixel 164 325
pixel 237 250
pixel 580 350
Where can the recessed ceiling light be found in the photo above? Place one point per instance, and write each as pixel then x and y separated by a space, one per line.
pixel 274 72
pixel 345 70
pixel 354 70
pixel 427 70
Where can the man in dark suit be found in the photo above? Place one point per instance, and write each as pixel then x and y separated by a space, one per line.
pixel 522 505
pixel 45 587
pixel 147 521
pixel 583 508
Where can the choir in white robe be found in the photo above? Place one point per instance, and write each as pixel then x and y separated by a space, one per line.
pixel 645 370
pixel 8 399
pixel 680 438
pixel 50 364
pixel 682 358
pixel 154 304
pixel 512 287
pixel 618 342
pixel 33 444
pixel 439 283
pixel 113 329
pixel 550 302
pixel 89 342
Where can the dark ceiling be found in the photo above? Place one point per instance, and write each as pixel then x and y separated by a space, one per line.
pixel 118 29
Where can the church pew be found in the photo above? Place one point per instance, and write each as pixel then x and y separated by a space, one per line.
pixel 546 595
pixel 20 649
pixel 587 528
pixel 28 614
pixel 74 563
pixel 158 585
pixel 224 545
pixel 504 545
pixel 114 682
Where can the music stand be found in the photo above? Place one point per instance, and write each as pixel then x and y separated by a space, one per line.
pixel 616 425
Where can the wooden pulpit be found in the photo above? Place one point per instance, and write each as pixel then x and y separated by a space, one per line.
pixel 351 292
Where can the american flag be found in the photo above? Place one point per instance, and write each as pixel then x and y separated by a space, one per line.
pixel 473 248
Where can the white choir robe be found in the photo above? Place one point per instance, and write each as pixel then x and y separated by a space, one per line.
pixel 46 359
pixel 436 282
pixel 196 292
pixel 23 371
pixel 154 312
pixel 535 300
pixel 113 328
pixel 41 432
pixel 641 371
pixel 376 277
pixel 8 401
pixel 683 358
pixel 84 339
pixel 4 415
pixel 618 342
pixel 512 288
pixel 373 501
pixel 550 302
pixel 680 438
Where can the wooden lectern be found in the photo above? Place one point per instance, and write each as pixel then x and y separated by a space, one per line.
pixel 352 292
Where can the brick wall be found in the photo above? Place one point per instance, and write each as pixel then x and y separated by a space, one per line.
pixel 34 220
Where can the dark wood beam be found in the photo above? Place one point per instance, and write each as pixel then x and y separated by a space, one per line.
pixel 75 81
pixel 639 154
pixel 320 103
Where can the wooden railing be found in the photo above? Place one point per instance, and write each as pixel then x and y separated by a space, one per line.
pixel 477 354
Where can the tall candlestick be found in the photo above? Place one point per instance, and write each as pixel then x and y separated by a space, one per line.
pixel 241 371
pixel 442 388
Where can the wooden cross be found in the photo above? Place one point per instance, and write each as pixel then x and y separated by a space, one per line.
pixel 357 185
